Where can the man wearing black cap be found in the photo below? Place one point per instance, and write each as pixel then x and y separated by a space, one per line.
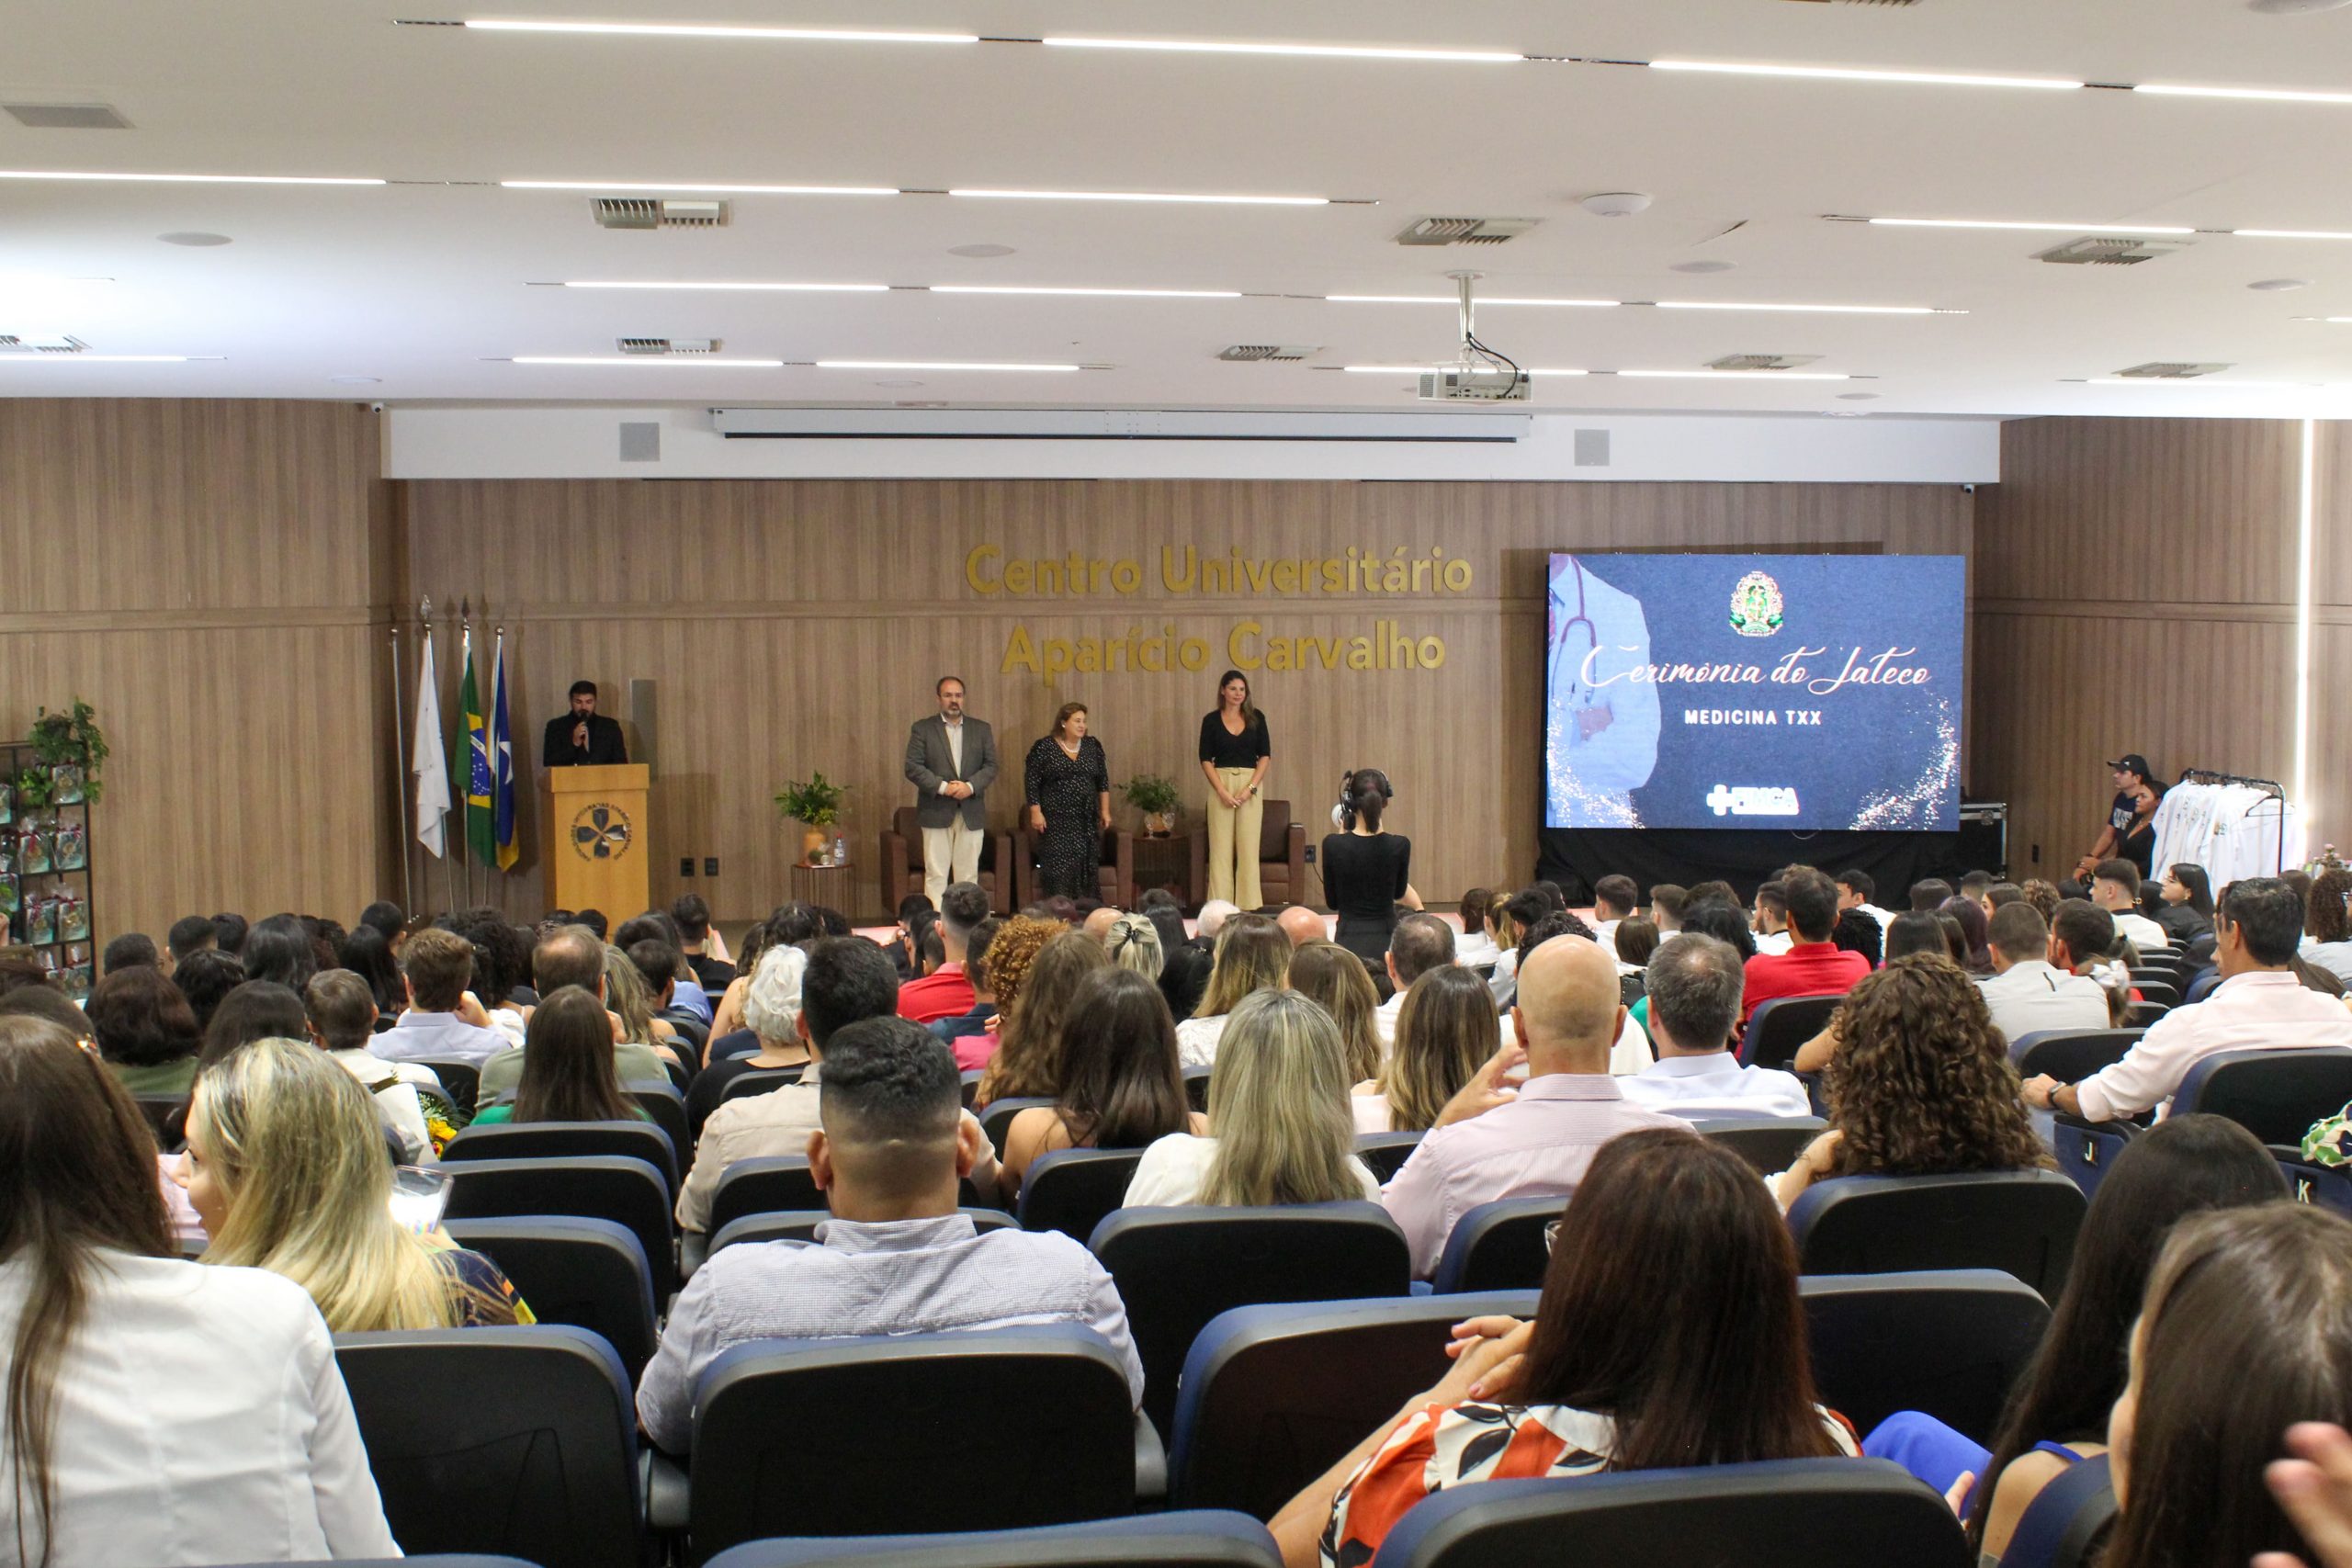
pixel 2130 831
pixel 584 736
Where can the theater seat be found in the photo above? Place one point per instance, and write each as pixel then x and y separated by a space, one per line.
pixel 2084 1148
pixel 2063 1526
pixel 764 1184
pixel 626 1192
pixel 1771 1143
pixel 1498 1247
pixel 1778 1028
pixel 546 1140
pixel 996 1119
pixel 1386 1152
pixel 1114 875
pixel 591 1274
pixel 2021 1221
pixel 901 862
pixel 501 1439
pixel 2070 1055
pixel 462 1080
pixel 2274 1094
pixel 1200 1540
pixel 1805 1513
pixel 665 1104
pixel 1014 1428
pixel 1282 857
pixel 1196 1086
pixel 1949 1343
pixel 1071 1190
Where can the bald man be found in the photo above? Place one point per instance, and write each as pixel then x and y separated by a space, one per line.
pixel 1491 1143
pixel 1302 925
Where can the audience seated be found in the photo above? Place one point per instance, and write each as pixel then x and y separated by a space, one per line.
pixel 1184 977
pixel 1855 891
pixel 671 986
pixel 2025 992
pixel 286 1165
pixel 280 949
pixel 2327 928
pixel 1920 1084
pixel 1769 919
pixel 705 950
pixel 129 951
pixel 1929 895
pixel 2081 936
pixel 502 965
pixel 156 1412
pixel 206 977
pixel 572 956
pixel 1253 955
pixel 1630 1052
pixel 1446 1031
pixel 1666 903
pixel 1857 931
pixel 341 1013
pixel 2115 887
pixel 1477 945
pixel 946 991
pixel 368 954
pixel 1014 948
pixel 229 932
pixel 2057 1413
pixel 1028 1060
pixel 1720 918
pixel 1489 1144
pixel 258 1009
pixel 627 1000
pixel 1811 968
pixel 895 1255
pixel 1634 943
pixel 1417 945
pixel 1133 943
pixel 1693 986
pixel 190 934
pixel 437 966
pixel 1969 914
pixel 1210 924
pixel 49 1002
pixel 1121 1088
pixel 2259 1003
pixel 1669 1333
pixel 567 1067
pixel 772 1012
pixel 1520 914
pixel 2187 912
pixel 146 1030
pixel 1336 980
pixel 1279 1128
pixel 973 1024
pixel 1614 898
pixel 1302 925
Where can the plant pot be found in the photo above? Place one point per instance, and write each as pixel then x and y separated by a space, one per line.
pixel 1159 824
pixel 814 843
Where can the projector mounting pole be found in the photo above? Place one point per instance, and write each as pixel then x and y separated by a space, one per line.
pixel 1463 280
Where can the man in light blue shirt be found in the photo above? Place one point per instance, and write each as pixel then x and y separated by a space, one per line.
pixel 1694 985
pixel 438 965
pixel 895 1257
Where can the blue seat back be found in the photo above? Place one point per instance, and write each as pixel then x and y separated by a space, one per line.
pixel 1071 1190
pixel 1949 1343
pixel 626 1192
pixel 2070 1055
pixel 1771 1143
pixel 2085 1149
pixel 2062 1525
pixel 1205 1539
pixel 1499 1247
pixel 2328 1186
pixel 462 1080
pixel 2275 1094
pixel 665 1103
pixel 2021 1221
pixel 557 1140
pixel 1779 1027
pixel 589 1273
pixel 765 1184
pixel 997 1119
pixel 1386 1152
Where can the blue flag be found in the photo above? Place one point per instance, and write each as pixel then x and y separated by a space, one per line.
pixel 502 761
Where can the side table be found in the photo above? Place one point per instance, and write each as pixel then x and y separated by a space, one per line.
pixel 1167 863
pixel 826 886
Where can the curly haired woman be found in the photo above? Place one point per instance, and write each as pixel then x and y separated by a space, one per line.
pixel 1016 944
pixel 1921 1084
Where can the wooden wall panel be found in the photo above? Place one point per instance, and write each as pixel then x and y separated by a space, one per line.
pixel 798 625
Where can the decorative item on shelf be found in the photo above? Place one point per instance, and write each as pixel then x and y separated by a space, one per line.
pixel 70 847
pixel 72 916
pixel 41 919
pixel 816 805
pixel 74 974
pixel 8 801
pixel 72 742
pixel 1155 795
pixel 32 849
pixel 32 787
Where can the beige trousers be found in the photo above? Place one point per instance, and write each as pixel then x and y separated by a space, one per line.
pixel 950 854
pixel 1233 842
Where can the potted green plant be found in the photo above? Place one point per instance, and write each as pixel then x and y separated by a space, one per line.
pixel 73 750
pixel 32 787
pixel 816 805
pixel 1155 795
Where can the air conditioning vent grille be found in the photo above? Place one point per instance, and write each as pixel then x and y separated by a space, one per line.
pixel 1251 353
pixel 651 212
pixel 66 117
pixel 1466 231
pixel 2171 370
pixel 2108 250
pixel 666 345
pixel 11 343
pixel 1762 361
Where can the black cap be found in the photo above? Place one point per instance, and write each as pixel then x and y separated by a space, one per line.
pixel 2132 763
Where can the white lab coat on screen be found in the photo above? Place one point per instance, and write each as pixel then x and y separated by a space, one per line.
pixel 1592 775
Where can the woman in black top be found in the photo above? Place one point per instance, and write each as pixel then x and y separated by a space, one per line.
pixel 2130 831
pixel 1234 756
pixel 2188 911
pixel 1070 805
pixel 1365 869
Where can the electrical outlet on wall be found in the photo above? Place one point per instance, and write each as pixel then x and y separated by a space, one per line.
pixel 1310 854
pixel 686 865
pixel 710 865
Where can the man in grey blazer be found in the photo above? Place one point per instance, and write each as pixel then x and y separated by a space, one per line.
pixel 951 760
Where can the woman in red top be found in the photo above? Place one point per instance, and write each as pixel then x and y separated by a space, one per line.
pixel 1604 1379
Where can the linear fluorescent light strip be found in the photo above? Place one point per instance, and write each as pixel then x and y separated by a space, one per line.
pixel 2034 227
pixel 1143 196
pixel 931 364
pixel 186 179
pixel 1320 50
pixel 644 359
pixel 1811 310
pixel 1094 293
pixel 743 287
pixel 2291 233
pixel 698 30
pixel 1849 74
pixel 1450 299
pixel 1736 375
pixel 2271 95
pixel 2203 382
pixel 1430 369
pixel 699 189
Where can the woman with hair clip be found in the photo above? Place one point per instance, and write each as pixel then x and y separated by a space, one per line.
pixel 1365 867
pixel 1069 783
pixel 1235 753
pixel 1279 1128
pixel 1602 1380
pixel 157 1412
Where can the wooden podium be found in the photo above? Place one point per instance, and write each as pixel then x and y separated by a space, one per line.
pixel 598 856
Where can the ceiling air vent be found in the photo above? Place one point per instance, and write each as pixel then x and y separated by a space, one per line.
pixel 654 346
pixel 1762 361
pixel 1466 231
pixel 1873 2
pixel 66 117
pixel 652 212
pixel 1251 353
pixel 2169 370
pixel 2108 250
pixel 11 343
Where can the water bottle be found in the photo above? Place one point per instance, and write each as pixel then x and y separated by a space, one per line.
pixel 841 849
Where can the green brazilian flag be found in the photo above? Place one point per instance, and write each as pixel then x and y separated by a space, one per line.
pixel 481 821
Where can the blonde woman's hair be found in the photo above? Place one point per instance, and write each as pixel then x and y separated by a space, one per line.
pixel 1133 943
pixel 293 1142
pixel 1278 1108
pixel 1445 1031
pixel 625 994
pixel 1327 972
pixel 1253 955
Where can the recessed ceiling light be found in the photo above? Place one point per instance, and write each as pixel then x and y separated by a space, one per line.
pixel 1705 266
pixel 1328 51
pixel 355 381
pixel 2272 95
pixel 1450 299
pixel 1848 73
pixel 1106 293
pixel 705 189
pixel 2294 8
pixel 1143 196
pixel 648 359
pixel 123 178
pixel 192 237
pixel 1819 309
pixel 932 365
pixel 980 253
pixel 693 30
pixel 743 287
pixel 2279 284
pixel 2034 227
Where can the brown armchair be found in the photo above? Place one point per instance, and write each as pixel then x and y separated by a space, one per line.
pixel 1282 857
pixel 1114 877
pixel 902 863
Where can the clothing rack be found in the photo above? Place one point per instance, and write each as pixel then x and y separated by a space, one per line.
pixel 2272 789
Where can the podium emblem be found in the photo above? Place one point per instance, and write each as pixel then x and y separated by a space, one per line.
pixel 600 832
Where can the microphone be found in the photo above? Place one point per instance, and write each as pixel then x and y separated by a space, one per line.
pixel 580 735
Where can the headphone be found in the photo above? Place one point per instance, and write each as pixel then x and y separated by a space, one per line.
pixel 1343 813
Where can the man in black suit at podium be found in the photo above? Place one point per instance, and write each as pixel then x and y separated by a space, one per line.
pixel 581 736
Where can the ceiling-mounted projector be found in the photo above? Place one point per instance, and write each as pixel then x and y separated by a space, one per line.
pixel 1478 374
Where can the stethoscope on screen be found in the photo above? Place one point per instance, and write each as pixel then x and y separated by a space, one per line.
pixel 1579 695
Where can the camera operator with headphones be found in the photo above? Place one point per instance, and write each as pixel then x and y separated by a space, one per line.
pixel 1365 868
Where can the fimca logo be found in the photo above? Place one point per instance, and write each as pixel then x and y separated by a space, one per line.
pixel 1753 800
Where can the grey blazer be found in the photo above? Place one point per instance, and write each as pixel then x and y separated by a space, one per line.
pixel 930 763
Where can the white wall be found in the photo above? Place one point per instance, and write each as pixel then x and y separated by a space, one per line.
pixel 582 441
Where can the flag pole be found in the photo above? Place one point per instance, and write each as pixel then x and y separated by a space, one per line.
pixel 399 773
pixel 465 722
pixel 448 867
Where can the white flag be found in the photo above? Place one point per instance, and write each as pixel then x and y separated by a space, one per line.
pixel 427 763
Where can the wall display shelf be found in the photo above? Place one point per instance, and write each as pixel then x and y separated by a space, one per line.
pixel 46 887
